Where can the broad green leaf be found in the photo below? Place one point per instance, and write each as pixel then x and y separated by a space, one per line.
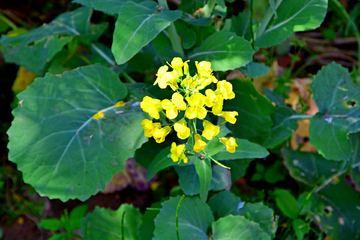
pixel 240 24
pixel 273 6
pixel 244 150
pixel 111 7
pixel 254 69
pixel 134 31
pixel 35 49
pixel 287 203
pixel 102 223
pixel 259 213
pixel 237 167
pixel 237 228
pixel 292 17
pixel 254 120
pixel 283 126
pixel 146 231
pixel 232 206
pixel 224 50
pixel 338 99
pixel 220 10
pixel 189 180
pixel 337 215
pixel 61 149
pixel 194 219
pixel 203 170
pixel 221 178
pixel 337 210
pixel 204 22
pixel 309 168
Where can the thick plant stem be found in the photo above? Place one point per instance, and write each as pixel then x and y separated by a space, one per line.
pixel 266 19
pixel 208 8
pixel 7 21
pixel 174 37
pixel 251 23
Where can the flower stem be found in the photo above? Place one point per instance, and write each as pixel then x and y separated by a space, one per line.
pixel 177 217
pixel 208 8
pixel 266 19
pixel 127 77
pixel 174 37
pixel 7 21
pixel 300 117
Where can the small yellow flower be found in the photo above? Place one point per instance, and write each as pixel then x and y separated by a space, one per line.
pixel 186 68
pixel 160 76
pixel 229 143
pixel 199 144
pixel 225 88
pixel 177 64
pixel 210 130
pixel 182 130
pixel 160 133
pixel 178 153
pixel 149 127
pixel 120 104
pixel 204 68
pixel 229 116
pixel 99 115
pixel 216 101
pixel 151 106
pixel 196 109
pixel 174 106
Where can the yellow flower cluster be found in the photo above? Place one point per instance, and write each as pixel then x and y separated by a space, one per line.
pixel 187 97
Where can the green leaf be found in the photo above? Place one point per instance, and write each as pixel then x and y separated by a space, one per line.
pixel 337 210
pixel 338 99
pixel 274 174
pixel 194 219
pixel 273 7
pixel 237 228
pixel 221 178
pixel 134 31
pixel 60 236
pixel 204 22
pixel 146 231
pixel 287 203
pixel 240 24
pixel 52 224
pixel 274 97
pixel 224 50
pixel 161 161
pixel 244 150
pixel 111 7
pixel 107 224
pixel 62 151
pixel 237 167
pixel 292 17
pixel 254 121
pixel 259 213
pixel 283 126
pixel 232 206
pixel 76 215
pixel 300 228
pixel 254 69
pixel 189 180
pixel 187 35
pixel 148 151
pixel 35 49
pixel 203 170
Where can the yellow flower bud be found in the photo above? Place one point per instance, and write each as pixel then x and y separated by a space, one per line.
pixel 199 144
pixel 160 133
pixel 99 115
pixel 229 143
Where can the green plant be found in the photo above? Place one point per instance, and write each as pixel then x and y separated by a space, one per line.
pixel 76 125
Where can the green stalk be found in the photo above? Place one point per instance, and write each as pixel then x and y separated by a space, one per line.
pixel 251 23
pixel 208 8
pixel 177 217
pixel 174 37
pixel 266 19
pixel 7 21
pixel 301 117
pixel 352 24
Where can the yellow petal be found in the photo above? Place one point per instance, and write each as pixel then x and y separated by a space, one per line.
pixel 199 144
pixel 99 115
pixel 177 99
pixel 171 113
pixel 201 113
pixel 120 104
pixel 167 104
pixel 191 112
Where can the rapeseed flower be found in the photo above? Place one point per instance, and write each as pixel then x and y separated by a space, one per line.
pixel 178 153
pixel 183 132
pixel 210 130
pixel 159 134
pixel 229 143
pixel 174 106
pixel 151 106
pixel 149 127
pixel 199 143
pixel 196 108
